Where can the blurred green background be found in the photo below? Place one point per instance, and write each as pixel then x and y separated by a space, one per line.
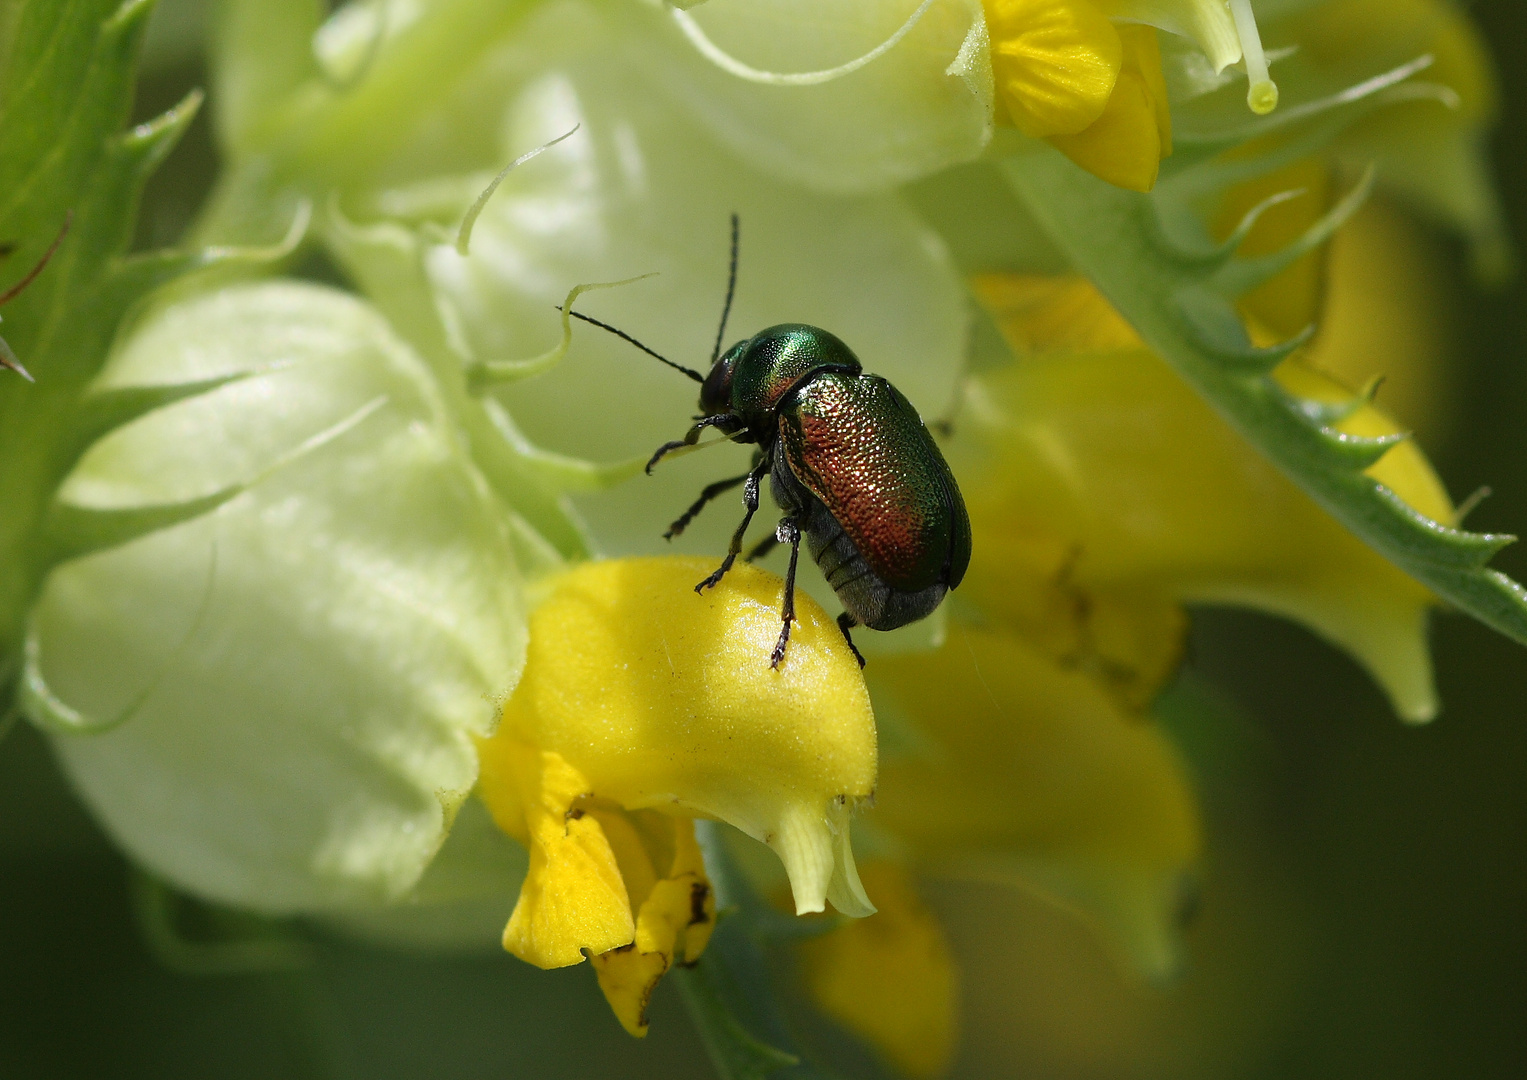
pixel 1364 910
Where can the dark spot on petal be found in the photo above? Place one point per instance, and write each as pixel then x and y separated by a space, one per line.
pixel 574 814
pixel 698 892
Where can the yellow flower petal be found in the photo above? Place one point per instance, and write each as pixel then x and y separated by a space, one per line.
pixel 1055 62
pixel 675 918
pixel 1099 479
pixel 665 700
pixel 1126 143
pixel 1039 314
pixel 574 899
pixel 890 979
pixel 1034 773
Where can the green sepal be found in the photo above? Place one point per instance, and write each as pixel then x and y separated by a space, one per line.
pixel 70 532
pixel 240 943
pixel 105 410
pixel 1327 413
pixel 52 713
pixel 734 1051
pixel 387 261
pixel 484 375
pixel 67 76
pixel 1193 145
pixel 1215 328
pixel 1116 237
pixel 1339 450
pixel 1240 276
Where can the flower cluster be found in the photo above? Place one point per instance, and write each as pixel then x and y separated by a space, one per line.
pixel 347 603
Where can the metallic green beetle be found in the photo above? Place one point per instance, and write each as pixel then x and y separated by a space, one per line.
pixel 850 463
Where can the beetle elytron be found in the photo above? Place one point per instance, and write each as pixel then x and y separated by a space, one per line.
pixel 849 461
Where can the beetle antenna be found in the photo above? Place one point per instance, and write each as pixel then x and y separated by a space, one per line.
pixel 693 374
pixel 731 287
pixel 11 293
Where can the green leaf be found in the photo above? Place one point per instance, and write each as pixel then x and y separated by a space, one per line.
pixel 1178 293
pixel 67 72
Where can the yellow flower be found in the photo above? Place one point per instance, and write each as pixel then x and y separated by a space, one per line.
pixel 1004 767
pixel 1025 772
pixel 1126 143
pixel 1065 73
pixel 1086 74
pixel 1103 494
pixel 643 706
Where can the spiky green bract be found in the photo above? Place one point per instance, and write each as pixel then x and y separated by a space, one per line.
pixel 66 78
pixel 1178 290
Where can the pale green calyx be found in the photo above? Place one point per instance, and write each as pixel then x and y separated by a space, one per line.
pixel 296 675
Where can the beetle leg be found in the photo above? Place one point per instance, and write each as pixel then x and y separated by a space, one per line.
pixel 845 621
pixel 727 422
pixel 762 548
pixel 709 492
pixel 787 533
pixel 749 500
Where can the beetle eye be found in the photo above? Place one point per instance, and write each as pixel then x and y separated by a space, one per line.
pixel 716 390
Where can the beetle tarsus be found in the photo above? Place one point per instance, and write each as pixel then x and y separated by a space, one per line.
pixel 845 622
pixel 750 500
pixel 728 424
pixel 787 533
pixel 663 451
pixel 709 492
